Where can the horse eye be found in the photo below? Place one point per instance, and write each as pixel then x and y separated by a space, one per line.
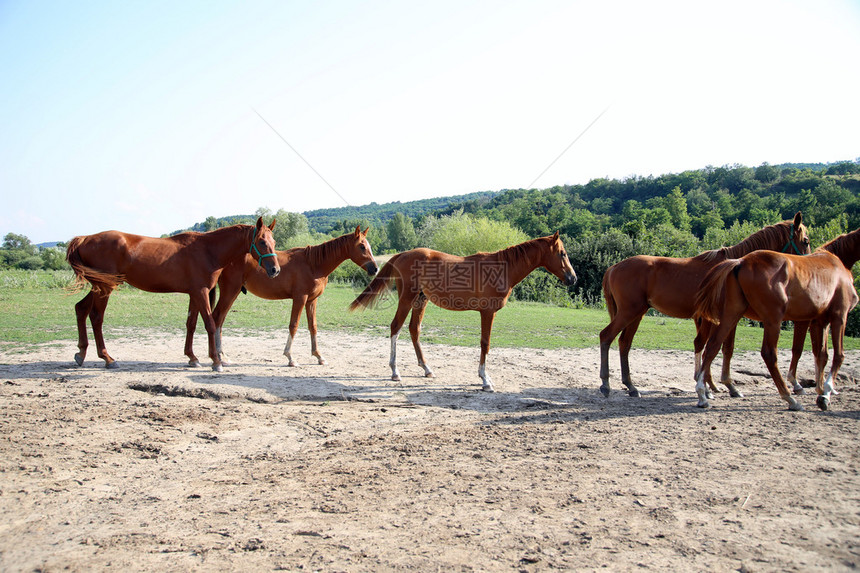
pixel 363 248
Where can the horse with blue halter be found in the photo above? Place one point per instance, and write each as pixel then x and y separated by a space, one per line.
pixel 669 285
pixel 817 289
pixel 303 278
pixel 188 263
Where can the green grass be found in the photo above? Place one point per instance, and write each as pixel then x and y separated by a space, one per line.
pixel 34 308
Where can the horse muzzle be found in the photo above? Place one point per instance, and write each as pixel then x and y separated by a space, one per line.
pixel 273 271
pixel 371 268
pixel 569 278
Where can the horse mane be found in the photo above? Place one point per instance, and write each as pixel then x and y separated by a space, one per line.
pixel 516 253
pixel 318 254
pixel 845 247
pixel 759 240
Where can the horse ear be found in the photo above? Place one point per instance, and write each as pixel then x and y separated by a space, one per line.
pixel 272 226
pixel 798 219
pixel 259 223
pixel 554 237
pixel 366 230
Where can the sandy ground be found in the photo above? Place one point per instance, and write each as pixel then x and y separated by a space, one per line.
pixel 157 466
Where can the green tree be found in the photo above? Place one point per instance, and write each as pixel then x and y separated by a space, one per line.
pixel 16 242
pixel 461 234
pixel 401 233
pixel 676 204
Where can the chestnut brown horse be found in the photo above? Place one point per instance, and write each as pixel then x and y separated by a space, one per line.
pixel 773 287
pixel 188 263
pixel 481 282
pixel 303 278
pixel 669 285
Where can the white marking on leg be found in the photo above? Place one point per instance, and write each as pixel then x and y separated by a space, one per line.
pixel 395 375
pixel 700 391
pixel 488 383
pixel 287 350
pixel 427 372
pixel 828 386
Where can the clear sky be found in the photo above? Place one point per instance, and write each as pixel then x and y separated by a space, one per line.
pixel 143 115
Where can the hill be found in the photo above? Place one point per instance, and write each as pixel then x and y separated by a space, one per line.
pixel 324 220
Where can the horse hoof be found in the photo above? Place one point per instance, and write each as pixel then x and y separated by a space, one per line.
pixel 823 402
pixel 703 404
pixel 634 393
pixel 429 375
pixel 797 407
pixel 217 368
pixel 395 377
pixel 194 363
pixel 605 391
pixel 292 364
pixel 799 391
pixel 322 362
pixel 488 388
pixel 709 395
pixel 735 394
pixel 112 365
pixel 79 360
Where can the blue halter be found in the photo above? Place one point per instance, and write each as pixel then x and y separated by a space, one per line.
pixel 790 242
pixel 260 256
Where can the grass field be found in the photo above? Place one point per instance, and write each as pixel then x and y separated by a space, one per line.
pixel 35 308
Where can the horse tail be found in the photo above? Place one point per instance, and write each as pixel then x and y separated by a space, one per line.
pixel 101 281
pixel 611 305
pixel 380 283
pixel 711 294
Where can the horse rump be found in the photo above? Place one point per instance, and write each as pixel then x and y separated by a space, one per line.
pixel 85 274
pixel 710 297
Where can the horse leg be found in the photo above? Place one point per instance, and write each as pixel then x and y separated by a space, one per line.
pixel 624 344
pixel 418 308
pixel 200 299
pixel 617 323
pixel 403 307
pixel 726 374
pixel 728 322
pixel 768 354
pixel 487 317
pixel 82 310
pixel 298 305
pixel 797 341
pixel 190 328
pixel 837 332
pixel 97 316
pixel 311 311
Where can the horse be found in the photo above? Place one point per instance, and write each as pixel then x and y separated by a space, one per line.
pixel 303 278
pixel 773 287
pixel 187 263
pixel 480 282
pixel 669 284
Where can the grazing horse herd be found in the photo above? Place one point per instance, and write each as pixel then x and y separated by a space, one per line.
pixel 769 277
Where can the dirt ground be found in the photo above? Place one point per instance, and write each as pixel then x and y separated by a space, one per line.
pixel 157 466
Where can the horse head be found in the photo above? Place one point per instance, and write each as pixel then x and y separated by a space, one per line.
pixel 263 246
pixel 360 252
pixel 798 242
pixel 555 260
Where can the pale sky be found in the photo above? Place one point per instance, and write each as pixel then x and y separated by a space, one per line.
pixel 142 116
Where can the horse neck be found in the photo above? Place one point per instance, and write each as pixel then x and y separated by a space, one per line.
pixel 770 238
pixel 326 257
pixel 846 248
pixel 233 241
pixel 521 259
